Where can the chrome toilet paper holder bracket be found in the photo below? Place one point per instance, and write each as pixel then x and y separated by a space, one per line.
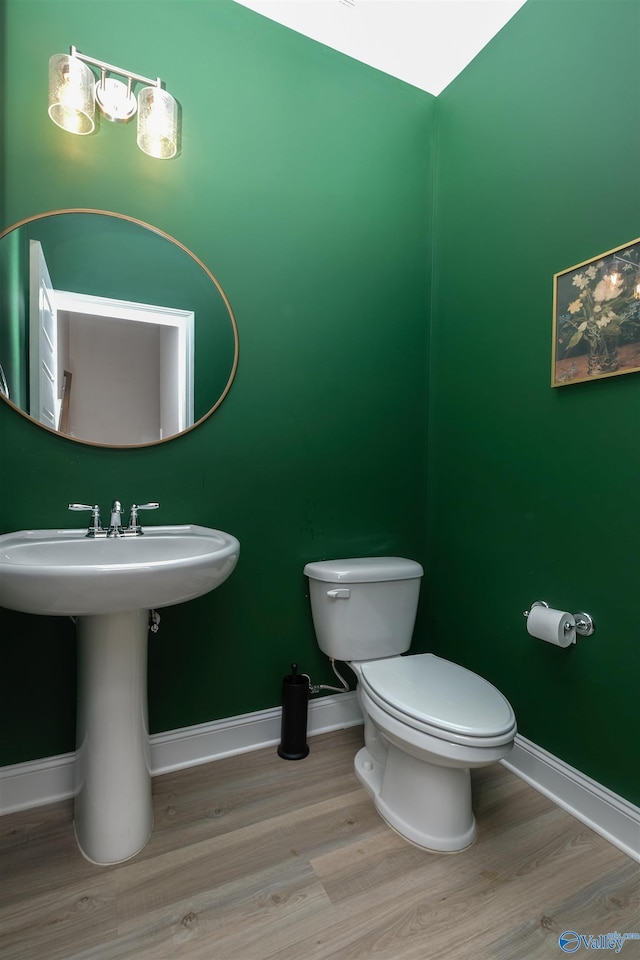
pixel 584 623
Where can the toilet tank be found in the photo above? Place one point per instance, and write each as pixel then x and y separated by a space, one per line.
pixel 364 608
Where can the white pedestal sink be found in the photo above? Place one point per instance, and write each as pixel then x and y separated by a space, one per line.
pixel 110 585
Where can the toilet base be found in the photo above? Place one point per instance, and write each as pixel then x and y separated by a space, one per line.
pixel 427 804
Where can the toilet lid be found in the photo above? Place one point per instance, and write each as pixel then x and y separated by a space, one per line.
pixel 439 693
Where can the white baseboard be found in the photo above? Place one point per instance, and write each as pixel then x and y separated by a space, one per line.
pixel 38 782
pixel 190 746
pixel 614 818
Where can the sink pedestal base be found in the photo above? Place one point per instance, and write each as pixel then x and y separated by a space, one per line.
pixel 113 813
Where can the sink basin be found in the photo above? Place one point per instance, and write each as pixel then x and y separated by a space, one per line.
pixel 66 573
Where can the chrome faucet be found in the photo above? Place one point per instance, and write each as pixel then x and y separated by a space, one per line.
pixel 115 524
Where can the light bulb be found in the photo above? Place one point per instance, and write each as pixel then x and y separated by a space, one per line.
pixel 71 94
pixel 157 123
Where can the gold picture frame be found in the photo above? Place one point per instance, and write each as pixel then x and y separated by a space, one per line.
pixel 596 317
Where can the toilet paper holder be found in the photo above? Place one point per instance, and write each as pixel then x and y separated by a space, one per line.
pixel 584 623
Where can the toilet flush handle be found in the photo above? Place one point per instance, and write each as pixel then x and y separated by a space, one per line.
pixel 340 594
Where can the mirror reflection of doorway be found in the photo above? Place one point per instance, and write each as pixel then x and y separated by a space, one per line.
pixel 124 370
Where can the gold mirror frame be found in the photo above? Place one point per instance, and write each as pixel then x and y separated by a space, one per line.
pixel 196 260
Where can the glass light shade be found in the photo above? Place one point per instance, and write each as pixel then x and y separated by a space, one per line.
pixel 157 123
pixel 71 94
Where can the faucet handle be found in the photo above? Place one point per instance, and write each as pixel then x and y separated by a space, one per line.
pixel 134 523
pixel 152 505
pixel 95 527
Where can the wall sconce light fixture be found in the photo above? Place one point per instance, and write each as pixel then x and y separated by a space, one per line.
pixel 74 93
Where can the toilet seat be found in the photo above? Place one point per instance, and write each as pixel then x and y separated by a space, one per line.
pixel 439 698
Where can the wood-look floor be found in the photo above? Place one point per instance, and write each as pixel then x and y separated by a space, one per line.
pixel 258 858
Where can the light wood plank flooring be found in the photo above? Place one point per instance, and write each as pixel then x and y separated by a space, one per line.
pixel 258 858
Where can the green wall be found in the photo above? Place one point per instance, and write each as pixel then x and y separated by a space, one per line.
pixel 533 491
pixel 304 183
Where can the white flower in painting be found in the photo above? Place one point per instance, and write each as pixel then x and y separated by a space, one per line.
pixel 606 319
pixel 580 281
pixel 605 290
pixel 590 272
pixel 575 306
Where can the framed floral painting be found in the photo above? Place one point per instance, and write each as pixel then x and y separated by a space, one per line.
pixel 596 317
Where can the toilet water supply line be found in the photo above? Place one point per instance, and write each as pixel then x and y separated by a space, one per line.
pixel 317 687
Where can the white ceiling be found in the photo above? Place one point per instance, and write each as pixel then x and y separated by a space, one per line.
pixel 423 42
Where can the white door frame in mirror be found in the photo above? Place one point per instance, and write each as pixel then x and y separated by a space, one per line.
pixel 52 383
pixel 56 336
pixel 170 365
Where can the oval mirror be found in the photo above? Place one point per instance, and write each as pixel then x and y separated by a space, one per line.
pixel 111 332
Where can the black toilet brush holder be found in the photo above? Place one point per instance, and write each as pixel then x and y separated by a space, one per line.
pixel 295 703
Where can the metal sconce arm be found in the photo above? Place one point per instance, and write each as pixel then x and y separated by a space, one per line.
pixel 111 68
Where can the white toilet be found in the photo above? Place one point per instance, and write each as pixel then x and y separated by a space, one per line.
pixel 427 721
